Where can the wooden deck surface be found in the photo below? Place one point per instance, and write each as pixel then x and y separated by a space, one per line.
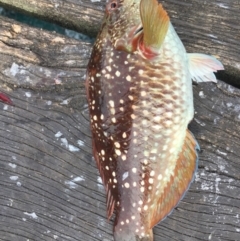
pixel 50 188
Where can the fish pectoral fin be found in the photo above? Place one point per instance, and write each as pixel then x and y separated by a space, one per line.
pixel 202 66
pixel 179 183
pixel 155 23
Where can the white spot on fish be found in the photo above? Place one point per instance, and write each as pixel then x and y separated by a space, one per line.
pixel 118 73
pixel 130 97
pixel 150 180
pixel 118 152
pixel 109 68
pixel 117 145
pixel 134 170
pixel 152 173
pixel 124 157
pixel 5 107
pixel 128 78
pixel 19 184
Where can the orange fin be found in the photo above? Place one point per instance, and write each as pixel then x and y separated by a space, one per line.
pixel 155 23
pixel 183 176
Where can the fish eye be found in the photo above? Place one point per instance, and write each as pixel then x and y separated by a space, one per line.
pixel 112 5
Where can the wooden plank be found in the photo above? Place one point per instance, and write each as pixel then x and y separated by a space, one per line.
pixel 84 16
pixel 210 27
pixel 50 187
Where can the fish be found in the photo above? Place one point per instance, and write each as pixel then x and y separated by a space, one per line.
pixel 140 98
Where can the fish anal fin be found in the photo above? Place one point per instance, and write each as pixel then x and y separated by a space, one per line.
pixel 155 23
pixel 111 193
pixel 179 183
pixel 202 66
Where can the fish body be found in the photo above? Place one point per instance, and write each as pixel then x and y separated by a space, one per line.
pixel 140 99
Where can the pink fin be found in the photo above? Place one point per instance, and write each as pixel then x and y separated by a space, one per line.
pixel 178 185
pixel 202 66
pixel 4 98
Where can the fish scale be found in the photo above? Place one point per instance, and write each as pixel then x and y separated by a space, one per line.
pixel 140 104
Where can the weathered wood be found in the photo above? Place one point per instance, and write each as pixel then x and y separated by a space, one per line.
pixel 50 187
pixel 84 16
pixel 204 26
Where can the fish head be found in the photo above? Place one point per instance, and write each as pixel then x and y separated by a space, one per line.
pixel 136 25
pixel 123 23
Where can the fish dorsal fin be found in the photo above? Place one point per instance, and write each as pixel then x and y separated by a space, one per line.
pixel 202 66
pixel 179 183
pixel 111 192
pixel 155 23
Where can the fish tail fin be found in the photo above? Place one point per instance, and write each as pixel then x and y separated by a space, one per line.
pixel 179 183
pixel 202 66
pixel 155 23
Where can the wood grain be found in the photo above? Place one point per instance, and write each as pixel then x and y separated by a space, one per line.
pixel 50 187
pixel 210 27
